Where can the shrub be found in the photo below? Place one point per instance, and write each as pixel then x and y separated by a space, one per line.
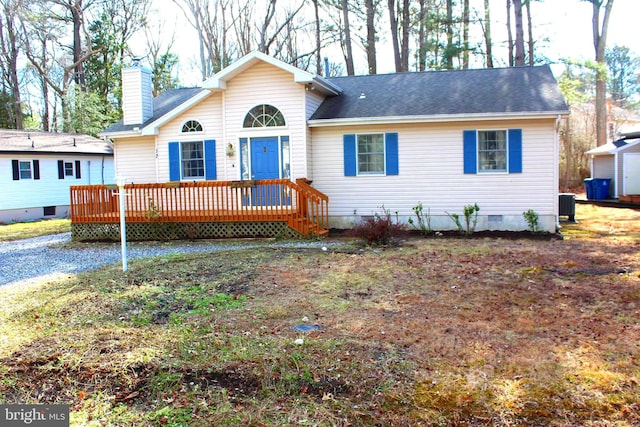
pixel 424 219
pixel 379 230
pixel 470 213
pixel 533 220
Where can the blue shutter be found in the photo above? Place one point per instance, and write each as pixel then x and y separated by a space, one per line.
pixel 174 161
pixel 350 161
pixel 78 173
pixel 391 142
pixel 60 169
pixel 210 158
pixel 515 150
pixel 470 151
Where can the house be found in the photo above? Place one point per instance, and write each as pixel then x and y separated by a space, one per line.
pixel 37 169
pixel 619 161
pixel 445 139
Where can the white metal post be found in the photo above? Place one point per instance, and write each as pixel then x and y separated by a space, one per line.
pixel 123 226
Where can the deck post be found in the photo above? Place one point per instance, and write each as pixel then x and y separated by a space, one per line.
pixel 123 225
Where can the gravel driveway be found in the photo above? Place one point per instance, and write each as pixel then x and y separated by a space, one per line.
pixel 41 257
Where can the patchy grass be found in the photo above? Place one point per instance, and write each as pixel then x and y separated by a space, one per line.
pixel 25 230
pixel 435 332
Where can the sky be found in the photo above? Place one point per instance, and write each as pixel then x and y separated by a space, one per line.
pixel 565 23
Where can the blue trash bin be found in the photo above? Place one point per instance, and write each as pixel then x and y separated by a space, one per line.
pixel 588 185
pixel 601 188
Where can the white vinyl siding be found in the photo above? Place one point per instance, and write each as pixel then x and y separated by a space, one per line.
pixel 431 172
pixel 25 198
pixel 266 84
pixel 209 114
pixel 135 159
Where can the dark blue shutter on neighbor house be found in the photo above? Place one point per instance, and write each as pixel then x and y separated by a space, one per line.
pixel 350 161
pixel 470 151
pixel 210 159
pixel 391 148
pixel 515 150
pixel 174 161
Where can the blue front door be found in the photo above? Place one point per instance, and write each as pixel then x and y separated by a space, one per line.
pixel 264 158
pixel 265 164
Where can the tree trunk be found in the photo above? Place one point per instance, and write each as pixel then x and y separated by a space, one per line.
pixel 371 36
pixel 600 43
pixel 77 17
pixel 9 47
pixel 394 34
pixel 422 37
pixel 530 31
pixel 517 10
pixel 449 25
pixel 404 50
pixel 509 34
pixel 318 42
pixel 347 39
pixel 487 34
pixel 465 34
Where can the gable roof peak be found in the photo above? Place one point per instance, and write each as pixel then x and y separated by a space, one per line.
pixel 220 79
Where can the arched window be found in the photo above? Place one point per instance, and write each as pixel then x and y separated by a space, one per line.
pixel 262 116
pixel 192 126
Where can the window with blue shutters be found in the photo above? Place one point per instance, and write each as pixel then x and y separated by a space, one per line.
pixel 492 151
pixel 370 154
pixel 192 160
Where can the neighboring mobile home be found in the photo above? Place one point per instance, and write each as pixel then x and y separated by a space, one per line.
pixel 37 169
pixel 445 139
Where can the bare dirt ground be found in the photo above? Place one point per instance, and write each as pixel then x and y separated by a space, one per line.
pixel 437 331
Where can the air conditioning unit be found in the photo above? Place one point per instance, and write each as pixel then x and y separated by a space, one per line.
pixel 567 206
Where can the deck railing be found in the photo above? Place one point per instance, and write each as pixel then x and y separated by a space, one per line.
pixel 303 208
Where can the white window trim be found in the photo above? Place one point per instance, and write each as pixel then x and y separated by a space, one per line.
pixel 384 152
pixel 204 160
pixel 268 129
pixel 490 171
pixel 30 170
pixel 195 132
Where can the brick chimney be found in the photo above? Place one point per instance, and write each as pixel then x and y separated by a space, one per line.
pixel 137 94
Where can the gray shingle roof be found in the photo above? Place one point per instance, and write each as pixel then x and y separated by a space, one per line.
pixel 18 141
pixel 162 104
pixel 434 93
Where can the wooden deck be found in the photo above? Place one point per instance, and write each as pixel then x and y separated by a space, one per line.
pixel 300 206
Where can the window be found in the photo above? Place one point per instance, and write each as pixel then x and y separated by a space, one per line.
pixel 25 170
pixel 486 151
pixel 192 154
pixel 264 116
pixel 371 154
pixel 192 126
pixel 192 160
pixel 69 169
pixel 492 151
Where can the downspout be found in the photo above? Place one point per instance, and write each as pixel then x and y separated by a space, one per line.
pixel 556 180
pixel 89 170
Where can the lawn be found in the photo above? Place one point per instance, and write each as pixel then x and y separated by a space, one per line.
pixel 24 230
pixel 437 331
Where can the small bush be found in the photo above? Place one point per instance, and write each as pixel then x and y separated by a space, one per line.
pixel 470 213
pixel 423 219
pixel 379 230
pixel 533 220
